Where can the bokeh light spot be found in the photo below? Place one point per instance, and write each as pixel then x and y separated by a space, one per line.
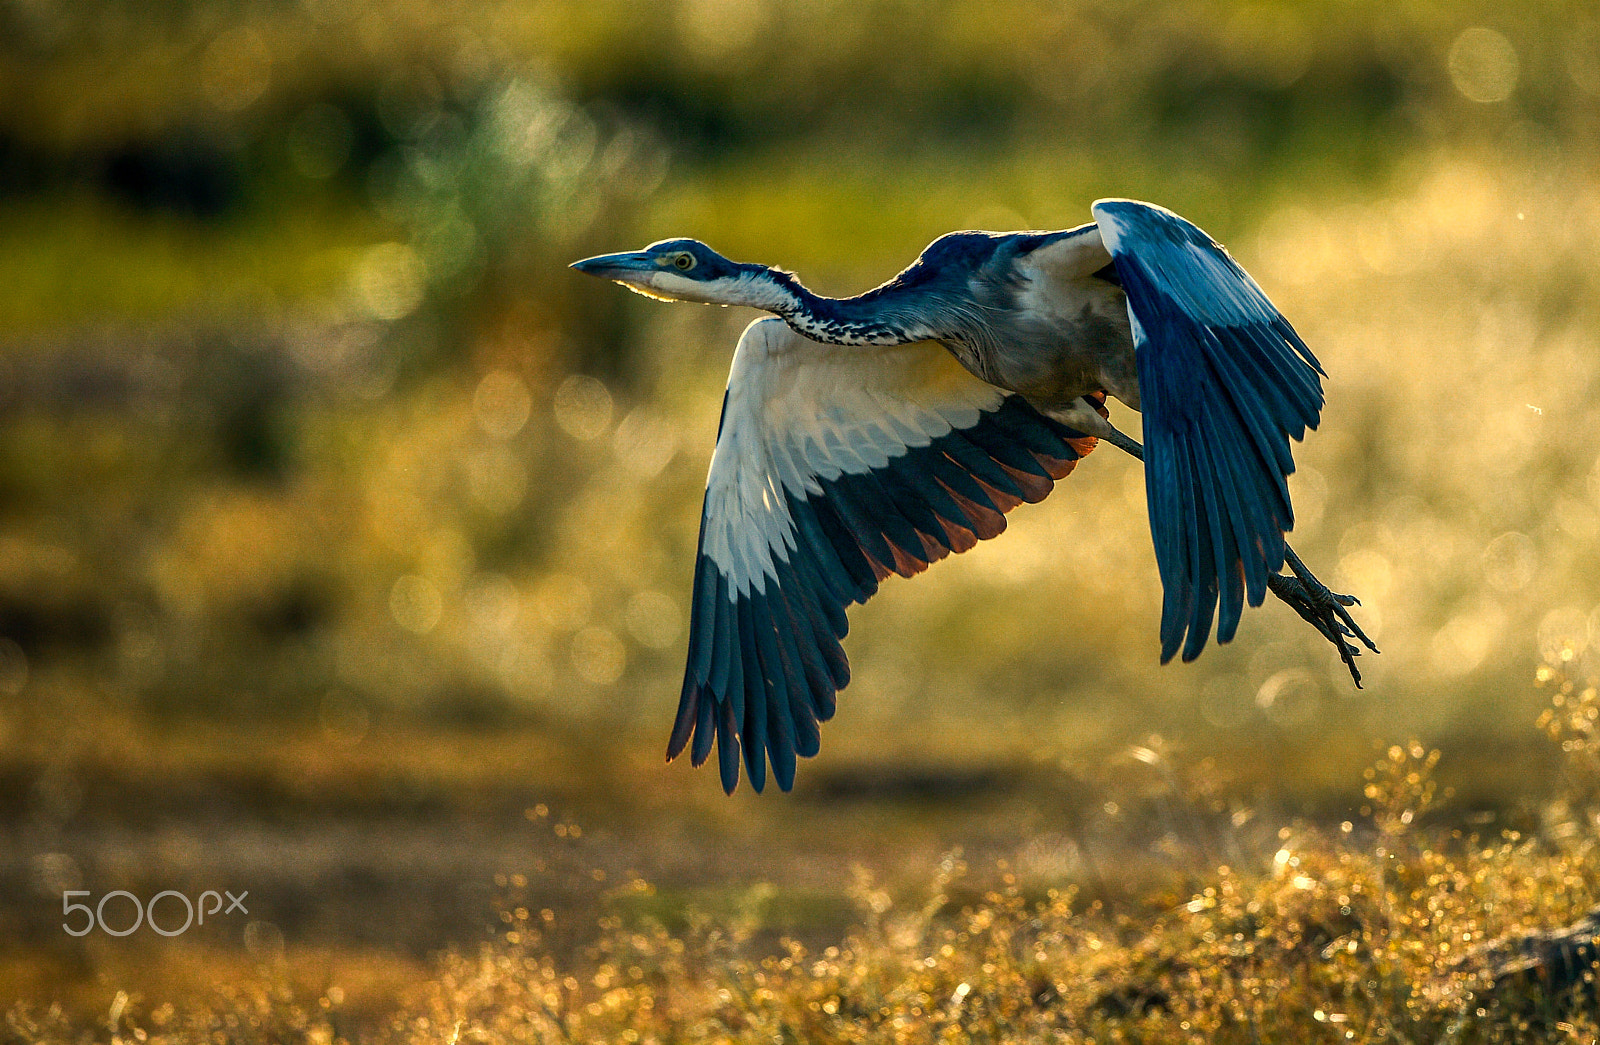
pixel 1583 56
pixel 1466 640
pixel 56 872
pixel 1389 238
pixel 415 604
pixel 447 557
pixel 1594 482
pixel 497 478
pixel 390 281
pixel 654 619
pixel 645 443
pixel 1290 698
pixel 13 668
pixel 598 656
pixel 501 405
pixel 1509 562
pixel 562 600
pixel 453 249
pixel 1295 245
pixel 236 69
pixel 582 407
pixel 344 718
pixel 1368 572
pixel 319 141
pixel 1484 65
pixel 408 103
pixel 719 29
pixel 264 941
pixel 1308 492
pixel 1563 635
pixel 492 602
pixel 1225 701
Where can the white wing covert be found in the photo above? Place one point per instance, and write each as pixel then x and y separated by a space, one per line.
pixel 834 467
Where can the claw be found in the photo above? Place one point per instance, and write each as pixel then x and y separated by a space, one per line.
pixel 1323 609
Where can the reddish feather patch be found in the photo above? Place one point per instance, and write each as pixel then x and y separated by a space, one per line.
pixel 1035 488
pixel 986 522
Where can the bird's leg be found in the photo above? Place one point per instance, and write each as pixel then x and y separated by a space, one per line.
pixel 1123 442
pixel 1325 609
pixel 1316 604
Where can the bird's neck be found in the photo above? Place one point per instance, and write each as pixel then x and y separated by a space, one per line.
pixel 874 318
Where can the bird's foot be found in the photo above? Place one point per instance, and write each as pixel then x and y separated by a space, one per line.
pixel 1323 609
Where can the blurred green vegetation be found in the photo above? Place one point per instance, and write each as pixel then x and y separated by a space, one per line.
pixel 328 494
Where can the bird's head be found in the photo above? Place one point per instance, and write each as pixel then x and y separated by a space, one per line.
pixel 683 270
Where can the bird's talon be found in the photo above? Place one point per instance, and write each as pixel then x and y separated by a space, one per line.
pixel 1323 609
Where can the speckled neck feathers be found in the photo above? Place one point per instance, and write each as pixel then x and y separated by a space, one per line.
pixel 888 315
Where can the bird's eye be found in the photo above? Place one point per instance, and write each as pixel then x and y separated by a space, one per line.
pixel 684 261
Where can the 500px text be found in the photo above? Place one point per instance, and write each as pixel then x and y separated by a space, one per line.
pixel 209 902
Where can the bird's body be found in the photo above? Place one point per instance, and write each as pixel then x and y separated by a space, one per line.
pixel 1039 313
pixel 851 447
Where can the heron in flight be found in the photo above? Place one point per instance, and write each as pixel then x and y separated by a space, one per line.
pixel 877 434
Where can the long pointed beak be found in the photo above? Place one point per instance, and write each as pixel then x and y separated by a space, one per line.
pixel 631 264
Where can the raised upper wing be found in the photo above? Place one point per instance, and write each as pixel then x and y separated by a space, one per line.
pixel 835 466
pixel 1224 381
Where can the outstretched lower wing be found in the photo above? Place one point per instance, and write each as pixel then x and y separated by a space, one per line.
pixel 835 467
pixel 1224 381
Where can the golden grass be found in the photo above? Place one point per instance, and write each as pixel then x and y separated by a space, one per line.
pixel 1380 930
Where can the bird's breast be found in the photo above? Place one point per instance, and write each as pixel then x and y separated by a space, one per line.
pixel 1059 342
pixel 975 361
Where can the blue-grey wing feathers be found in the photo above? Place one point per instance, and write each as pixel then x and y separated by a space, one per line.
pixel 834 468
pixel 1224 381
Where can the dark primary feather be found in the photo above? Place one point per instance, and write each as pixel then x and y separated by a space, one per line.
pixel 1224 382
pixel 764 668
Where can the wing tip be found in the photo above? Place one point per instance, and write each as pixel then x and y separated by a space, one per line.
pixel 728 751
pixel 1107 214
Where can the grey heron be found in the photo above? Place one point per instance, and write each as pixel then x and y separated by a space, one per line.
pixel 877 434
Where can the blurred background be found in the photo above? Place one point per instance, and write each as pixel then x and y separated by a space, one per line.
pixel 346 535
